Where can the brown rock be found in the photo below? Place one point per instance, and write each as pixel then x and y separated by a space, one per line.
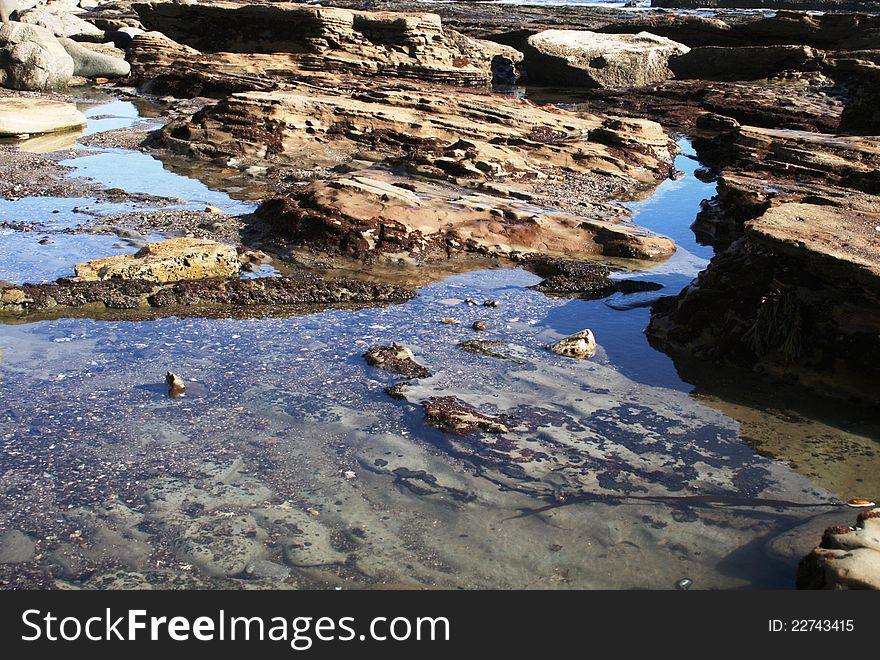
pixel 846 558
pixel 397 359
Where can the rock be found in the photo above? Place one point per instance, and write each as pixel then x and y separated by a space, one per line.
pixel 166 261
pixel 568 277
pixel 800 5
pixel 862 112
pixel 581 345
pixel 745 62
pixel 295 291
pixel 267 570
pixel 32 59
pixel 397 359
pixel 453 416
pixel 60 22
pixel 90 63
pixel 592 59
pixel 7 7
pixel 382 218
pixel 479 325
pixel 176 386
pixel 32 116
pixel 15 547
pixel 332 39
pixel 222 545
pixel 846 558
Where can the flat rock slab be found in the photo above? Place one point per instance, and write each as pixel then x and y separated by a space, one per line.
pixel 20 116
pixel 173 260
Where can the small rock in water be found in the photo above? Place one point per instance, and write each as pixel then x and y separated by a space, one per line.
pixel 860 503
pixel 684 584
pixel 449 321
pixel 479 325
pixel 580 345
pixel 470 301
pixel 176 386
pixel 490 303
pixel 213 210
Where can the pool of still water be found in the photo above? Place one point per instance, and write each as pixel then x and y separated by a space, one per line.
pixel 287 465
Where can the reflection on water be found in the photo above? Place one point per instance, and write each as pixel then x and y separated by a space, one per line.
pixel 286 464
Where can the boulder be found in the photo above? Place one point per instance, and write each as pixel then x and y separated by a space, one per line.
pixel 90 63
pixel 846 558
pixel 166 261
pixel 23 116
pixel 60 22
pixel 592 59
pixel 32 59
pixel 581 345
pixel 744 63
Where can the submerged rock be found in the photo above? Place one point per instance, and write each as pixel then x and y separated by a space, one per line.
pixel 581 345
pixel 172 260
pixel 454 416
pixel 846 558
pixel 592 59
pixel 397 359
pixel 25 116
pixel 569 277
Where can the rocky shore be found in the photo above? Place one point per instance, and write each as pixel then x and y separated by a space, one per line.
pixel 410 139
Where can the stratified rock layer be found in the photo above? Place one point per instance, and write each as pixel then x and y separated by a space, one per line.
pixel 24 116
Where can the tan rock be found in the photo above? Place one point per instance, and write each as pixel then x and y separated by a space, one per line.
pixel 167 261
pixel 592 59
pixel 847 557
pixel 581 345
pixel 30 116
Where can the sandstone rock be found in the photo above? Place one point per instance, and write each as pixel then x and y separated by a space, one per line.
pixel 90 63
pixel 592 59
pixel 331 39
pixel 581 345
pixel 744 63
pixel 32 59
pixel 61 23
pixel 167 261
pixel 388 218
pixel 846 558
pixel 862 112
pixel 26 116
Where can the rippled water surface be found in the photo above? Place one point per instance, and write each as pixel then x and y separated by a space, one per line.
pixel 287 465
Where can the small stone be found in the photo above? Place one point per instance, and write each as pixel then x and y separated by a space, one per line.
pixel 449 321
pixel 479 325
pixel 490 303
pixel 580 345
pixel 176 386
pixel 348 474
pixel 314 513
pixel 860 503
pixel 684 584
pixel 213 210
pixel 470 301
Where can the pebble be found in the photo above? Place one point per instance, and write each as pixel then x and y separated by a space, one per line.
pixel 449 321
pixel 684 584
pixel 490 303
pixel 479 325
pixel 176 386
pixel 860 503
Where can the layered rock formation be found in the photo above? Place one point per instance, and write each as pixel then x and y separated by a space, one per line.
pixel 332 39
pixel 795 295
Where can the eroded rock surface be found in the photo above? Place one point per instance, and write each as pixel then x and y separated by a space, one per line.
pixel 29 116
pixel 592 59
pixel 397 359
pixel 847 557
pixel 172 260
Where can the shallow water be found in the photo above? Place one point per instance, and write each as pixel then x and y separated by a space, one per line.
pixel 286 465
